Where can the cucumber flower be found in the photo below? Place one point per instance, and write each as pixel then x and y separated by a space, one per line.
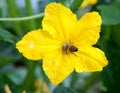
pixel 64 43
pixel 88 2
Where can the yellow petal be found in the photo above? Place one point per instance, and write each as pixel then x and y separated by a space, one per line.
pixel 58 21
pixel 35 44
pixel 57 66
pixel 90 59
pixel 88 29
pixel 87 2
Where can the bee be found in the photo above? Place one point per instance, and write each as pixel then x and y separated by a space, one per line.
pixel 65 46
pixel 73 48
pixel 68 47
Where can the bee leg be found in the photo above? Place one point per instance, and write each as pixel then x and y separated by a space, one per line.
pixel 74 54
pixel 66 52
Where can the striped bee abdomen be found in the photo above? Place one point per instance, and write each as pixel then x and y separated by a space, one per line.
pixel 73 48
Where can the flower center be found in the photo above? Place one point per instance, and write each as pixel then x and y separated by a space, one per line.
pixel 68 47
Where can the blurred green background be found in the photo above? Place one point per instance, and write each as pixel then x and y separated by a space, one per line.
pixel 19 75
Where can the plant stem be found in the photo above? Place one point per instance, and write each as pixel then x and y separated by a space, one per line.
pixel 89 81
pixel 74 79
pixel 22 18
pixel 30 75
pixel 12 8
pixel 29 12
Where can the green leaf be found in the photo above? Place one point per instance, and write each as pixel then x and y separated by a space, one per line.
pixel 116 34
pixel 62 89
pixel 8 50
pixel 4 80
pixel 110 75
pixel 39 72
pixel 5 60
pixel 17 75
pixel 110 13
pixel 75 5
pixel 8 53
pixel 110 43
pixel 6 36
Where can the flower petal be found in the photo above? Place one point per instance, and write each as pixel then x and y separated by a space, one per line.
pixel 90 59
pixel 59 20
pixel 88 29
pixel 87 2
pixel 58 66
pixel 36 43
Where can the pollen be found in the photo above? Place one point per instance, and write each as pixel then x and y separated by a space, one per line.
pixel 65 46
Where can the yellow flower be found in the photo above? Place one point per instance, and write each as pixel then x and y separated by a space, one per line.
pixel 64 43
pixel 87 2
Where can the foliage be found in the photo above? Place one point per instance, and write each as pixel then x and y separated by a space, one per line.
pixel 21 74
